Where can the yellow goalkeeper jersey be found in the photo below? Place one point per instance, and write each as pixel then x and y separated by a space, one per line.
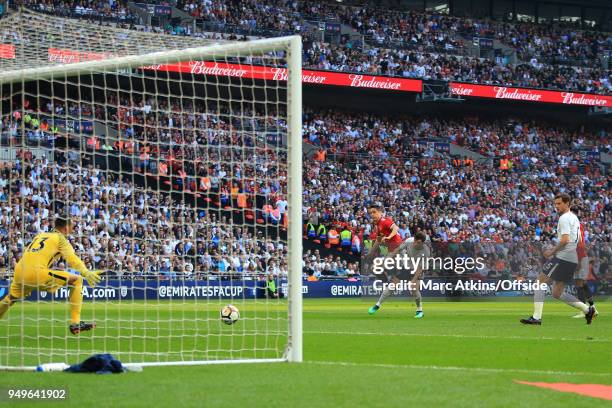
pixel 48 247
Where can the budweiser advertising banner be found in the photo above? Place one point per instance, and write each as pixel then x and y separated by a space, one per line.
pixel 280 74
pixel 340 79
pixel 530 95
pixel 70 57
pixel 256 72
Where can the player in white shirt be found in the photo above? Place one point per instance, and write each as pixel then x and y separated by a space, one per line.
pixel 560 268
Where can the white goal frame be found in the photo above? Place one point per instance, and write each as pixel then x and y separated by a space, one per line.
pixel 292 46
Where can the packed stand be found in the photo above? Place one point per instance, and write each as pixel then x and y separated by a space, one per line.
pixel 392 29
pixel 190 148
pixel 317 266
pixel 123 228
pixel 406 44
pixel 111 10
pixel 507 200
pixel 547 43
pixel 252 16
pixel 523 140
pixel 361 159
pixel 415 64
pixel 223 160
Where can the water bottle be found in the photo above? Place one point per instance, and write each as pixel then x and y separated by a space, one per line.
pixel 133 368
pixel 52 367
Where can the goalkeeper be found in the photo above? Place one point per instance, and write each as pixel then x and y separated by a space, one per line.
pixel 32 273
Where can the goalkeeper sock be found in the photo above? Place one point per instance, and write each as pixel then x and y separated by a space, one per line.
pixel 5 304
pixel 538 303
pixel 76 300
pixel 573 302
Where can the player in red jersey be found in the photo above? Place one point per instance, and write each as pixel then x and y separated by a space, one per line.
pixel 387 234
pixel 386 230
pixel 582 273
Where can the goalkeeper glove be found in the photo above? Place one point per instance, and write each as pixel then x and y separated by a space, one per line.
pixel 92 277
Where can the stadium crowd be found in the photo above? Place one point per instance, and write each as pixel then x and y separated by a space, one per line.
pixel 233 160
pixel 533 148
pixel 225 158
pixel 230 159
pixel 362 159
pixel 549 43
pixel 505 201
pixel 127 229
pixel 115 10
pixel 406 44
pixel 416 64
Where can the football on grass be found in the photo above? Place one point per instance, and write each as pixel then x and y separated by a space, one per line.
pixel 230 314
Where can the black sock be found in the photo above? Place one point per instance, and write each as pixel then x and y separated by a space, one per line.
pixel 581 293
pixel 588 295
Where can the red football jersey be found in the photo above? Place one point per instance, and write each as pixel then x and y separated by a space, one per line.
pixel 383 228
pixel 581 246
pixel 374 233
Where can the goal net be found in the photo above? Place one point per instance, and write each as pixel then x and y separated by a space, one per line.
pixel 178 161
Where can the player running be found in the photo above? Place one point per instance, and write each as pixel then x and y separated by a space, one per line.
pixel 32 273
pixel 582 273
pixel 414 248
pixel 560 269
pixel 387 233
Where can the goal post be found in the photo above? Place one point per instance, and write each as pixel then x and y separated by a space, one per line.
pixel 182 171
pixel 294 87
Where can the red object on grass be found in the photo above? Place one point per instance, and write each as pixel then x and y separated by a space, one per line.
pixel 590 390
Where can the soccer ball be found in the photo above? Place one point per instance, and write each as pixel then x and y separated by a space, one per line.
pixel 230 314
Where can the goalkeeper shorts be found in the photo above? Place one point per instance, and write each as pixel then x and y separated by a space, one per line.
pixel 36 277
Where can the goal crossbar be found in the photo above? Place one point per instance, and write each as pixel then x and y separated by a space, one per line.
pixel 168 57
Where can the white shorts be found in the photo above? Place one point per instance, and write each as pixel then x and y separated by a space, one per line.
pixel 583 271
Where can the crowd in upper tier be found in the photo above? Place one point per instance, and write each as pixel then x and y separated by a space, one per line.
pixel 406 44
pixel 402 163
pixel 232 157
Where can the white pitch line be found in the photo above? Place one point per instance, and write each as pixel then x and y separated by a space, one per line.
pixel 353 364
pixel 461 312
pixel 455 368
pixel 460 336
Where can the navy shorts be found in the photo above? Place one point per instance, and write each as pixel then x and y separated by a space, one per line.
pixel 560 270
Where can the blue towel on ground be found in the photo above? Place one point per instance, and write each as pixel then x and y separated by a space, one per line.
pixel 99 364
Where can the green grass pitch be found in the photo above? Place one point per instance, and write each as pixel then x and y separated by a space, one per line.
pixel 462 354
